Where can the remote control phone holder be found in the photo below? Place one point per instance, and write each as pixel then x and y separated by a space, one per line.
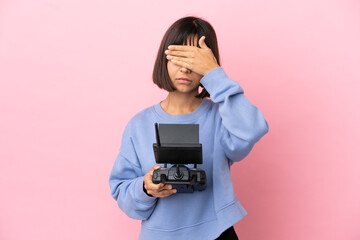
pixel 178 144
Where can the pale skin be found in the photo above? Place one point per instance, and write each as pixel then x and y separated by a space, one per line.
pixel 184 61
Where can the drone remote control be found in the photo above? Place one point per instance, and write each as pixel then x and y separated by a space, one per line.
pixel 180 149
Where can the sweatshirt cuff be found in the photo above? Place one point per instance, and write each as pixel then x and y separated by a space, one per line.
pixel 140 195
pixel 216 81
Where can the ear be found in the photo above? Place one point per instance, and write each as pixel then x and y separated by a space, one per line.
pixel 202 42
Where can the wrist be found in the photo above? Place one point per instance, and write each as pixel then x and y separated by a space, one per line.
pixel 145 191
pixel 211 68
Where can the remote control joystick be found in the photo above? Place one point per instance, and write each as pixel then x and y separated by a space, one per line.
pixel 178 174
pixel 179 146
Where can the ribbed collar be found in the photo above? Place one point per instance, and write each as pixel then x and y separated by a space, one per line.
pixel 183 118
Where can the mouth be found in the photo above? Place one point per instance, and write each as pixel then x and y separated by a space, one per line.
pixel 184 81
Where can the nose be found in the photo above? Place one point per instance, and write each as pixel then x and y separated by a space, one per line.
pixel 185 70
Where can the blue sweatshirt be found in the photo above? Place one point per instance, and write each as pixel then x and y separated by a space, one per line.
pixel 229 126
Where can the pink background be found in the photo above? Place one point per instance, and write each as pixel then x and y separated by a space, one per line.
pixel 72 73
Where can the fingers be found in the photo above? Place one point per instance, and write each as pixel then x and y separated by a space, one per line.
pixel 188 60
pixel 156 187
pixel 164 191
pixel 151 171
pixel 149 174
pixel 184 60
pixel 179 53
pixel 157 190
pixel 161 187
pixel 202 44
pixel 182 47
pixel 152 188
pixel 181 64
pixel 148 177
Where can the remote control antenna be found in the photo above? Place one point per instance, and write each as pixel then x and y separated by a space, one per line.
pixel 157 135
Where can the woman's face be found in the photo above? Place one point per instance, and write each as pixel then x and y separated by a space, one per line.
pixel 184 79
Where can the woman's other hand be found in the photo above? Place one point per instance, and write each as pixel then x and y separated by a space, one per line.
pixel 200 60
pixel 156 190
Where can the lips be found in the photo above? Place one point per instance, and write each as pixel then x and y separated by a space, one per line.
pixel 185 81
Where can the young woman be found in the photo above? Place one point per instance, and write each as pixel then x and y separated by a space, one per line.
pixel 187 62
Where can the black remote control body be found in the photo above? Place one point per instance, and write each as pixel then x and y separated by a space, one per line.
pixel 184 179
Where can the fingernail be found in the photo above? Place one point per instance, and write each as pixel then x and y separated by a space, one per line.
pixel 169 47
pixel 166 51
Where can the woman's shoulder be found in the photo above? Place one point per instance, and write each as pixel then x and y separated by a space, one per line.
pixel 142 116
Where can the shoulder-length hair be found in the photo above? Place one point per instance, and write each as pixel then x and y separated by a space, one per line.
pixel 177 34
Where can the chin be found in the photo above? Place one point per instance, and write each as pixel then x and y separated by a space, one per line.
pixel 187 91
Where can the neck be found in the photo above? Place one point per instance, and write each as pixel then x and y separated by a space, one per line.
pixel 179 103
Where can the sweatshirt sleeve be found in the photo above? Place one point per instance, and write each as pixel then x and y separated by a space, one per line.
pixel 242 124
pixel 126 182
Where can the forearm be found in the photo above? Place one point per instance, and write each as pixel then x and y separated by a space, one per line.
pixel 127 190
pixel 242 123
